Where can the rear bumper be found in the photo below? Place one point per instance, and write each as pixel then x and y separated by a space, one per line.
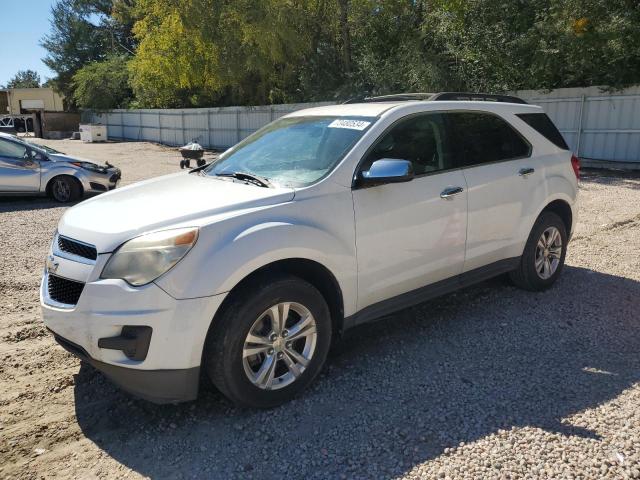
pixel 157 386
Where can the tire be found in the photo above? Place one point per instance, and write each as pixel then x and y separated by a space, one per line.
pixel 65 189
pixel 531 274
pixel 227 360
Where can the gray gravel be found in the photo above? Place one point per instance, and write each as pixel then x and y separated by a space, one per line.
pixel 490 382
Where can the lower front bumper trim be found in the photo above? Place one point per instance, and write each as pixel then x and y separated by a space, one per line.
pixel 157 386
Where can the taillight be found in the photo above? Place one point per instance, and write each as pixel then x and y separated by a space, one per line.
pixel 575 163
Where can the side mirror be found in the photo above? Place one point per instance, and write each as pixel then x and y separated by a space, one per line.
pixel 38 156
pixel 387 170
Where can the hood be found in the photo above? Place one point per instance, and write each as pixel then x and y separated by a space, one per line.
pixel 180 199
pixel 61 157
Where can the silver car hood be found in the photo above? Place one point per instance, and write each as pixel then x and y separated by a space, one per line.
pixel 180 199
pixel 61 157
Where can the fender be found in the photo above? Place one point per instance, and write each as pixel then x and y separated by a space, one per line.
pixel 563 189
pixel 244 247
pixel 59 168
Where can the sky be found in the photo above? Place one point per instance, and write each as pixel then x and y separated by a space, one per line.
pixel 22 24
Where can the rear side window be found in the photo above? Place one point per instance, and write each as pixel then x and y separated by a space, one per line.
pixel 545 127
pixel 487 138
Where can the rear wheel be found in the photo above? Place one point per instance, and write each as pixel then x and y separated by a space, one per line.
pixel 65 189
pixel 543 257
pixel 270 342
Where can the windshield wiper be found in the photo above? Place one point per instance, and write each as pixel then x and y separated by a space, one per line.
pixel 247 177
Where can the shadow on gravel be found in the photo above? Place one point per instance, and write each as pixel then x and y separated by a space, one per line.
pixel 20 204
pixel 398 392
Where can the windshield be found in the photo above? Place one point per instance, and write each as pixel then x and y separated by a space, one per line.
pixel 41 147
pixel 296 151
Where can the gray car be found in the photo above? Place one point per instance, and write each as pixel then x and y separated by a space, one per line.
pixel 30 169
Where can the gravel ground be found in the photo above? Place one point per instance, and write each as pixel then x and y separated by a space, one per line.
pixel 490 382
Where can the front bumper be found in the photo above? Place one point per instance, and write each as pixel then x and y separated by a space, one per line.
pixel 168 369
pixel 158 386
pixel 95 182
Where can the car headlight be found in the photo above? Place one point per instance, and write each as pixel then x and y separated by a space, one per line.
pixel 90 166
pixel 143 259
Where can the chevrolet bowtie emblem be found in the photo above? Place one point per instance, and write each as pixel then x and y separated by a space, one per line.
pixel 51 264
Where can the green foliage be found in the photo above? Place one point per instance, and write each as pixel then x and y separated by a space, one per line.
pixel 24 79
pixel 84 31
pixel 103 85
pixel 234 52
pixel 496 45
pixel 195 52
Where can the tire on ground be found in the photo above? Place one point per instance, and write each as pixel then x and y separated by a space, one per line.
pixel 525 275
pixel 73 185
pixel 224 346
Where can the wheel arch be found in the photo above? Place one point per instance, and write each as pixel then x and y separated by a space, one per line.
pixel 47 189
pixel 311 271
pixel 563 210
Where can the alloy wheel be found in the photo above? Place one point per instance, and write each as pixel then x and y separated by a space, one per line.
pixel 279 346
pixel 61 190
pixel 548 253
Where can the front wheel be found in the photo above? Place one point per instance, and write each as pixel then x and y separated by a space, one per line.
pixel 544 253
pixel 269 343
pixel 65 189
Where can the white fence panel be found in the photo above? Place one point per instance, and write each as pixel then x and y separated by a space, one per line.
pixel 211 127
pixel 597 125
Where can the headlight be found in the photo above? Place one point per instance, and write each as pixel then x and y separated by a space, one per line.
pixel 143 259
pixel 90 166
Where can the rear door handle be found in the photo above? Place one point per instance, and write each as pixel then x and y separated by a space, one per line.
pixel 450 192
pixel 526 171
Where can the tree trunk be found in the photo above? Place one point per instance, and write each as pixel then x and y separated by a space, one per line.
pixel 346 37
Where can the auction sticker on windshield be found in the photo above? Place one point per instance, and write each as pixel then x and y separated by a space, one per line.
pixel 352 124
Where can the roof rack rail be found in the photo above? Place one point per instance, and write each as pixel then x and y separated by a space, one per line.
pixel 442 96
pixel 479 97
pixel 397 97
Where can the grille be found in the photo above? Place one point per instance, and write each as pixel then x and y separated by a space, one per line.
pixel 77 248
pixel 63 290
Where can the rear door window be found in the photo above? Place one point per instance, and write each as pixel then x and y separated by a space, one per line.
pixel 545 127
pixel 486 138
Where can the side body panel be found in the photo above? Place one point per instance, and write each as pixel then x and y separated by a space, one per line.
pixel 501 202
pixel 504 203
pixel 407 236
pixel 317 225
pixel 19 175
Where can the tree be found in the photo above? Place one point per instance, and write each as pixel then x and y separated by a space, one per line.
pixel 103 85
pixel 203 52
pixel 496 45
pixel 85 31
pixel 24 79
pixel 190 53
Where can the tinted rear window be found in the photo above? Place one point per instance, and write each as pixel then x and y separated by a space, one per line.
pixel 487 138
pixel 544 126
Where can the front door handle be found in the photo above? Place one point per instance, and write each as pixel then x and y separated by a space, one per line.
pixel 451 192
pixel 526 171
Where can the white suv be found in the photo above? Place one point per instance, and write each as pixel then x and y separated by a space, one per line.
pixel 249 267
